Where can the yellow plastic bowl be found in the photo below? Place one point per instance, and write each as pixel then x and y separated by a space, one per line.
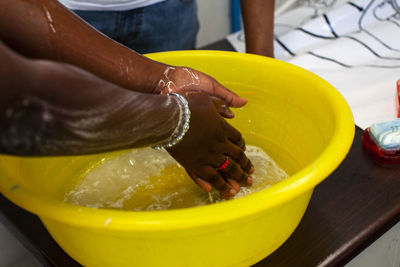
pixel 297 117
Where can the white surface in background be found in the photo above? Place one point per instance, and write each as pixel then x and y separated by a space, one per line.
pixel 353 45
pixel 215 21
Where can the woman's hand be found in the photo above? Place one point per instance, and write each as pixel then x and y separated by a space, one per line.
pixel 212 151
pixel 183 79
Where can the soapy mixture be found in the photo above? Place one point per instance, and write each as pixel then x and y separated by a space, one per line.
pixel 148 179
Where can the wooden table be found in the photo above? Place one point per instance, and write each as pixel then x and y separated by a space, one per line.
pixel 348 211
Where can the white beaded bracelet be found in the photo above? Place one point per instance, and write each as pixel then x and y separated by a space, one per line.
pixel 183 124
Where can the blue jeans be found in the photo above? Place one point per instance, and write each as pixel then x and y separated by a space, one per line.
pixel 169 25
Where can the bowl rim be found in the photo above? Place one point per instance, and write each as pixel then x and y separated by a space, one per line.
pixel 299 183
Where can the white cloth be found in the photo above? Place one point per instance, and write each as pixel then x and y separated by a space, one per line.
pixel 354 45
pixel 107 5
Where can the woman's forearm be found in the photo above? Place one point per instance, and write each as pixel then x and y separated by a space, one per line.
pixel 46 29
pixel 50 108
pixel 258 20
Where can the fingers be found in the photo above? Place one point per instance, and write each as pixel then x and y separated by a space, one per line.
pixel 225 175
pixel 232 99
pixel 234 184
pixel 232 170
pixel 207 186
pixel 234 136
pixel 240 157
pixel 215 179
pixel 236 151
pixel 222 108
pixel 203 184
pixel 200 182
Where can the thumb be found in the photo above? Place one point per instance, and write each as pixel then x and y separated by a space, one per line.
pixel 232 99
